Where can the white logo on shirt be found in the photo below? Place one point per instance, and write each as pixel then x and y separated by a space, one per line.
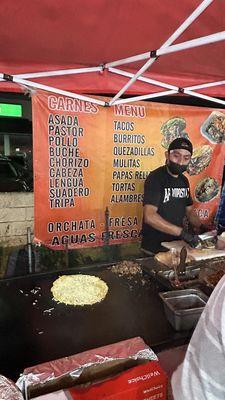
pixel 166 195
pixel 178 193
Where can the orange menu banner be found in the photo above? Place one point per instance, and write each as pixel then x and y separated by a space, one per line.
pixel 90 164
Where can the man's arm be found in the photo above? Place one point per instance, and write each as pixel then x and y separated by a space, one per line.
pixel 192 217
pixel 151 217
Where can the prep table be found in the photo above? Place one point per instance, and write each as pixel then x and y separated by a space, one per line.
pixel 35 329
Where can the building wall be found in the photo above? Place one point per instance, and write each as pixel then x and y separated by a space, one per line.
pixel 16 215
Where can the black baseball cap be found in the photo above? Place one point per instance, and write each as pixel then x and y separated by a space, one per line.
pixel 181 143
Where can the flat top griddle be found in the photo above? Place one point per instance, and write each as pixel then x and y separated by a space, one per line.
pixel 35 329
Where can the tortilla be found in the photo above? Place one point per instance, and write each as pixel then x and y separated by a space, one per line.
pixel 173 129
pixel 214 127
pixel 79 290
pixel 200 159
pixel 206 190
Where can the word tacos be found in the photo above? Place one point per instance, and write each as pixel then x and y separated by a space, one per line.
pixel 206 190
pixel 172 129
pixel 200 159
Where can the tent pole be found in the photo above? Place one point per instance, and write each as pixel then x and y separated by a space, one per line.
pixel 128 60
pixel 31 84
pixel 146 96
pixel 142 79
pixel 169 41
pixel 203 96
pixel 215 37
pixel 59 72
pixel 167 93
pixel 205 85
pixel 162 84
pixel 175 90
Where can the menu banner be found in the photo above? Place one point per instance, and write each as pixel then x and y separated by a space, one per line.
pixel 90 164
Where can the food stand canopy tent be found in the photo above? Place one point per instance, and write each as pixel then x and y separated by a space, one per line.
pixel 87 36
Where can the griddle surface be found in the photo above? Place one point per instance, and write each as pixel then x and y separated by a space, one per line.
pixel 32 333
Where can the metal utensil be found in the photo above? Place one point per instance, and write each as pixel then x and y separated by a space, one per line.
pixel 175 256
pixel 208 235
pixel 181 266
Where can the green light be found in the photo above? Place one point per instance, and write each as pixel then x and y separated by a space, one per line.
pixel 10 110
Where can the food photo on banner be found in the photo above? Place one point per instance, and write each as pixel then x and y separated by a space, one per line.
pixel 94 161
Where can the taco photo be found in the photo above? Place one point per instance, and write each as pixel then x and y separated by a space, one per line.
pixel 214 127
pixel 172 129
pixel 200 159
pixel 207 189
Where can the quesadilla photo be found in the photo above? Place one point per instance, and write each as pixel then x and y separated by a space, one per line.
pixel 200 159
pixel 214 127
pixel 173 129
pixel 206 190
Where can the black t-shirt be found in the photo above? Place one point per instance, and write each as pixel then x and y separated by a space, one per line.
pixel 171 196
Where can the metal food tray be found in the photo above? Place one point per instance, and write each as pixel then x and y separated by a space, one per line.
pixel 207 272
pixel 183 307
pixel 165 275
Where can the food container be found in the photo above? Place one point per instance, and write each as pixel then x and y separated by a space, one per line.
pixel 212 275
pixel 183 307
pixel 213 127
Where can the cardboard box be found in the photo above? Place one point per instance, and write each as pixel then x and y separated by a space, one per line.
pixel 144 382
pixel 90 366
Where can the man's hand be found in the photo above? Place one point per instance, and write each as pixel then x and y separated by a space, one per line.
pixel 220 229
pixel 192 240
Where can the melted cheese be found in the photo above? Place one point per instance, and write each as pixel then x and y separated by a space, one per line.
pixel 79 290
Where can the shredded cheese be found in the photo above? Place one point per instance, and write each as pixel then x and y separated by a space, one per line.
pixel 79 290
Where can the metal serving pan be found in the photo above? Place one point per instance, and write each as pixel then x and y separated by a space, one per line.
pixel 183 307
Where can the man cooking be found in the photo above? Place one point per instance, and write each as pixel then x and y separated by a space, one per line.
pixel 167 201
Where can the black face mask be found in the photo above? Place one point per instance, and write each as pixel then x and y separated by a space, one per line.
pixel 176 169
